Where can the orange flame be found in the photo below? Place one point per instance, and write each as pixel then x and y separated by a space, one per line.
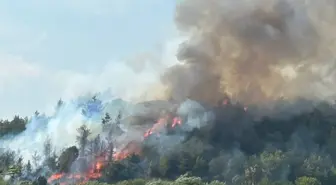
pixel 131 148
pixel 161 123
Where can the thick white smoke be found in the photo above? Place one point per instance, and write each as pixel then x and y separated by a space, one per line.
pixel 135 80
pixel 61 129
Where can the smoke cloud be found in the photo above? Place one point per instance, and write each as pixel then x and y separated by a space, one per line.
pixel 61 129
pixel 254 51
pixel 118 84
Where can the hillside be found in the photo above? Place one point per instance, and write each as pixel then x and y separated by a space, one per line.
pixel 234 146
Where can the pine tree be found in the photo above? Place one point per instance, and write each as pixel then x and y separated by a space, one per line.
pixel 82 138
pixel 36 158
pixel 47 148
pixel 28 168
pixel 19 165
pixel 59 104
pixel 106 119
pixel 37 113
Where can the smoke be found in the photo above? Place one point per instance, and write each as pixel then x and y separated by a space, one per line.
pixel 60 128
pixel 254 51
pixel 196 115
pixel 129 81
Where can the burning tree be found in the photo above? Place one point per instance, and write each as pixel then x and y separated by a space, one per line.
pixel 102 160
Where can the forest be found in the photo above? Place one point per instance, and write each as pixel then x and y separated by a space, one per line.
pixel 264 56
pixel 239 146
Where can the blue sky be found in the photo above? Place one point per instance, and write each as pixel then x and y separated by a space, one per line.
pixel 48 47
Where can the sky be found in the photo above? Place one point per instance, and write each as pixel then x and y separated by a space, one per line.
pixel 51 49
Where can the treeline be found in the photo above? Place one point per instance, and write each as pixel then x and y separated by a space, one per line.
pixel 182 180
pixel 237 148
pixel 14 126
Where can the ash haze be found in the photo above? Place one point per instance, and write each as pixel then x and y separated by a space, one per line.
pixel 63 49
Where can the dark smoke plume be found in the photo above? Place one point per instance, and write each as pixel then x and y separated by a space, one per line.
pixel 254 51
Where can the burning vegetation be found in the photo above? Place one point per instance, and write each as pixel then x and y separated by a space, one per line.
pixel 249 103
pixel 95 167
pixel 232 144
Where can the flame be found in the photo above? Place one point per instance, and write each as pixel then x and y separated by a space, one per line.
pixel 176 121
pixel 55 177
pixel 133 147
pixel 161 124
pixel 81 178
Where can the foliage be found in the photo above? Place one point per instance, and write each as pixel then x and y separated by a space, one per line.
pixel 67 157
pixel 15 126
pixel 82 138
pixel 307 181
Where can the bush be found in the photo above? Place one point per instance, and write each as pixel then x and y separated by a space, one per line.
pixel 133 182
pixel 185 180
pixel 216 183
pixel 159 182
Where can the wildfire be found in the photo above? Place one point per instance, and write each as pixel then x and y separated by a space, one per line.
pixel 176 121
pixel 161 124
pixel 80 178
pixel 131 148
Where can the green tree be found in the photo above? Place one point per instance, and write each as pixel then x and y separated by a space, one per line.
pixel 159 182
pixel 37 113
pixel 24 183
pixel 40 181
pixel 266 181
pixel 28 168
pixel 47 148
pixel 3 182
pixel 216 182
pixel 307 181
pixel 133 182
pixel 7 159
pixel 118 171
pixel 273 164
pixel 49 156
pixel 60 103
pixel 82 138
pixel 163 166
pixel 95 147
pixel 200 166
pixel 19 165
pixel 186 180
pixel 51 162
pixel 253 171
pixel 331 145
pixel 36 159
pixel 106 119
pixel 317 165
pixel 184 163
pixel 66 158
pixel 228 167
